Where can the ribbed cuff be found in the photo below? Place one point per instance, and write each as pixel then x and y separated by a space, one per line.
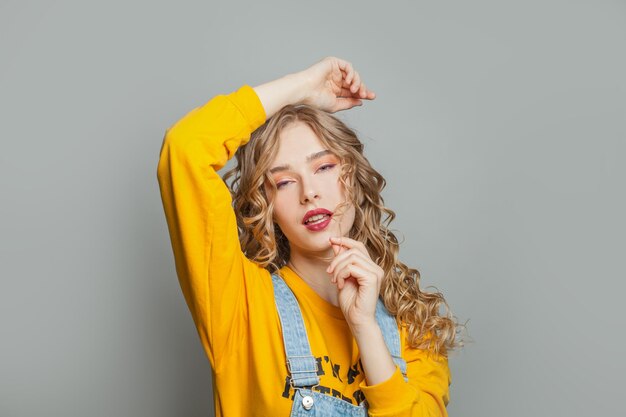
pixel 250 106
pixel 392 394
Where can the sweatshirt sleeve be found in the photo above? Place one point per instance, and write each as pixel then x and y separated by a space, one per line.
pixel 425 394
pixel 210 265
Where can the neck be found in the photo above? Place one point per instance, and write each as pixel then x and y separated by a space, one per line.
pixel 312 270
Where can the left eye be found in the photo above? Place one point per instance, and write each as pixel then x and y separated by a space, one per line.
pixel 326 167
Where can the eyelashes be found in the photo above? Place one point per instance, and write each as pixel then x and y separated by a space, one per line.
pixel 323 168
pixel 326 167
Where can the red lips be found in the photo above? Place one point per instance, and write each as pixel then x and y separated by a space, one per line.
pixel 315 212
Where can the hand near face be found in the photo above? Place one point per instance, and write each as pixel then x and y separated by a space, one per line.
pixel 358 279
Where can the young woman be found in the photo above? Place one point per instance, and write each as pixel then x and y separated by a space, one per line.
pixel 291 275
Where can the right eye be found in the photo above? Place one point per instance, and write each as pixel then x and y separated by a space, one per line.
pixel 281 184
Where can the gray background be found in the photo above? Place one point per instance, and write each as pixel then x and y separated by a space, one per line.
pixel 500 127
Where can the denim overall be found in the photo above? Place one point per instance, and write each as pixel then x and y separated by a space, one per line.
pixel 302 366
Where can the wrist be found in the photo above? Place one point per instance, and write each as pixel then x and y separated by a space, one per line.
pixel 305 87
pixel 365 330
pixel 301 87
pixel 292 88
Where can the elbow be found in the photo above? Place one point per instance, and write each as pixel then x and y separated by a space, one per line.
pixel 164 155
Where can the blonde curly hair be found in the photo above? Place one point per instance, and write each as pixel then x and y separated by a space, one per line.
pixel 263 242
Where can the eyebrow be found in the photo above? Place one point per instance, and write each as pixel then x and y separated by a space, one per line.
pixel 309 158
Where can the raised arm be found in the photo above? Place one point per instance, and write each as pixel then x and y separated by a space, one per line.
pixel 201 222
pixel 198 208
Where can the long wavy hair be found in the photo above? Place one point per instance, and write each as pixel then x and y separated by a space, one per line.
pixel 263 242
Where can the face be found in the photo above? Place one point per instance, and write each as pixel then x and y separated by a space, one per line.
pixel 307 178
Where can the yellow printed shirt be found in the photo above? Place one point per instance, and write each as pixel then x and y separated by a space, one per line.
pixel 231 299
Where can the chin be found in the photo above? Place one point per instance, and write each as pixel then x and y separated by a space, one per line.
pixel 317 243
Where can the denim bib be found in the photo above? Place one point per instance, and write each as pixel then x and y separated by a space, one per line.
pixel 302 366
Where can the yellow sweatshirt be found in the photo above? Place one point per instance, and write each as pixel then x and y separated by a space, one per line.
pixel 231 298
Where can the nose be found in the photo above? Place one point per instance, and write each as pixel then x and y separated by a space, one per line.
pixel 309 196
pixel 309 191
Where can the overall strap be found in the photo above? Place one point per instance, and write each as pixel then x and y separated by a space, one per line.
pixel 301 364
pixel 389 328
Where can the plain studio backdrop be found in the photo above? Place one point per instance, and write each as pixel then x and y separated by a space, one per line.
pixel 500 127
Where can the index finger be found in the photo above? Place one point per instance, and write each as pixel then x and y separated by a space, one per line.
pixel 349 243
